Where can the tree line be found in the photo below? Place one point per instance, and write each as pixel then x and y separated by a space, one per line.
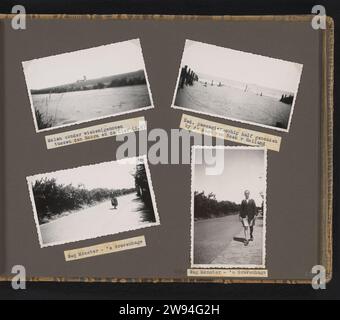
pixel 142 186
pixel 52 199
pixel 119 82
pixel 143 191
pixel 206 206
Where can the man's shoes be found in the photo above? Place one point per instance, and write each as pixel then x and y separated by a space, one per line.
pixel 246 242
pixel 251 239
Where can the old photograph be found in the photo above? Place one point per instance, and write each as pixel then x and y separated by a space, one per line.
pixel 87 85
pixel 92 201
pixel 237 85
pixel 229 208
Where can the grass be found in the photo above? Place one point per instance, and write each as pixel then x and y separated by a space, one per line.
pixel 43 122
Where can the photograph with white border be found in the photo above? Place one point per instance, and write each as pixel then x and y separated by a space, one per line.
pixel 237 85
pixel 228 207
pixel 86 85
pixel 93 201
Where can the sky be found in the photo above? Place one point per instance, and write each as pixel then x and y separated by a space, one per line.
pixel 243 170
pixel 241 66
pixel 95 62
pixel 111 175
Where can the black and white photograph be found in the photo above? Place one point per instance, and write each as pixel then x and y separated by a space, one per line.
pixel 228 226
pixel 237 85
pixel 92 201
pixel 86 85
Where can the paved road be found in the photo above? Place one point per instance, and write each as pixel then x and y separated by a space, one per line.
pixel 211 236
pixel 236 254
pixel 98 220
pixel 219 241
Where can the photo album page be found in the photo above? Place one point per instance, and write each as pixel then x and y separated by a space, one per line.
pixel 191 149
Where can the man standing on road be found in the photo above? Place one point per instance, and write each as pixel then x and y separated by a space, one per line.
pixel 114 201
pixel 248 213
